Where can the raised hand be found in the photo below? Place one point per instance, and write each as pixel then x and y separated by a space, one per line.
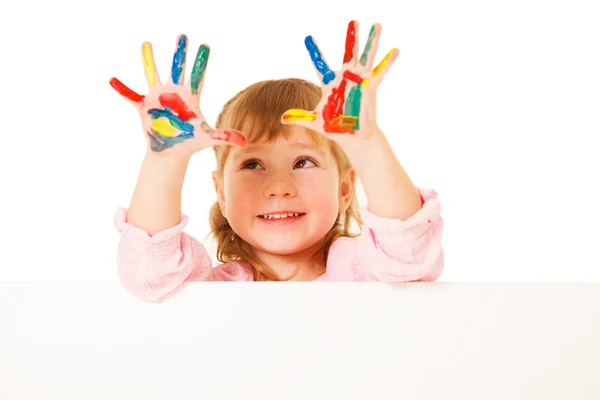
pixel 170 113
pixel 348 102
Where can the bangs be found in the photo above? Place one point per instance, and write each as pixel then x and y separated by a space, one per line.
pixel 257 110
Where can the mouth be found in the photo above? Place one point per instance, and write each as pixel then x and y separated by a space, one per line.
pixel 282 215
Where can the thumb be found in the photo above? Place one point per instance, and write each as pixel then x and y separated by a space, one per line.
pixel 230 136
pixel 124 91
pixel 297 116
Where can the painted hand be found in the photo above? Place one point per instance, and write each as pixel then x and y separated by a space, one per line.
pixel 171 116
pixel 348 103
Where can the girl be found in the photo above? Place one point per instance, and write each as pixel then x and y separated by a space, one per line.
pixel 285 182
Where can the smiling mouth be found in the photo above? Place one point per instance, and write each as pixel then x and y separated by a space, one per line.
pixel 281 216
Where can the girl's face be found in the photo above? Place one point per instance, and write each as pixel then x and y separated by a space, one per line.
pixel 282 197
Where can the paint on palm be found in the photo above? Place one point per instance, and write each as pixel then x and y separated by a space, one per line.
pixel 341 111
pixel 170 123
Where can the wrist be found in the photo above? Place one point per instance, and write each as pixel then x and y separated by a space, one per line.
pixel 163 169
pixel 361 152
pixel 167 158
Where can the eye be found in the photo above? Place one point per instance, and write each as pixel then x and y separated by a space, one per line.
pixel 301 163
pixel 250 164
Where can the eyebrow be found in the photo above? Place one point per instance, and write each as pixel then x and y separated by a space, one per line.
pixel 252 148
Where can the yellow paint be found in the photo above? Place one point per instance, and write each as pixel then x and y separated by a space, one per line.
pixel 383 62
pixel 345 120
pixel 299 115
pixel 149 63
pixel 365 82
pixel 164 127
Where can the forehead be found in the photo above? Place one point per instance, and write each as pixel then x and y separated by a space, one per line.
pixel 296 139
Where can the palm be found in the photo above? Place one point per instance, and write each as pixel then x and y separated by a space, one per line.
pixel 348 102
pixel 170 112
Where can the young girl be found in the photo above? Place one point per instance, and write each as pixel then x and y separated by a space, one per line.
pixel 285 182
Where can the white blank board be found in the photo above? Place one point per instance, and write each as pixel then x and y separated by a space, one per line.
pixel 301 341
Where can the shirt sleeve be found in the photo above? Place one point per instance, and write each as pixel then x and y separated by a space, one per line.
pixel 393 250
pixel 155 267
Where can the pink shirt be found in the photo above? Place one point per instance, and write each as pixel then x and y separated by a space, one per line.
pixel 388 250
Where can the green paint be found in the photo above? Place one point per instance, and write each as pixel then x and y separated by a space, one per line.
pixel 199 67
pixel 353 104
pixel 365 54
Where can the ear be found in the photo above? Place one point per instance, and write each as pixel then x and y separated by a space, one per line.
pixel 347 187
pixel 218 184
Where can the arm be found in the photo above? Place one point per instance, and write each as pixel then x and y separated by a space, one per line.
pixel 156 201
pixel 153 268
pixel 155 257
pixel 402 236
pixel 346 114
pixel 175 129
pixel 389 190
pixel 401 239
pixel 393 250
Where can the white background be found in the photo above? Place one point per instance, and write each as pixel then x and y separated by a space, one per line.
pixel 493 104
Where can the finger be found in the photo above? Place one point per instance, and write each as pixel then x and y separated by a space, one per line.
pixel 370 50
pixel 149 65
pixel 299 117
pixel 382 68
pixel 178 67
pixel 294 115
pixel 351 43
pixel 229 136
pixel 125 91
pixel 327 75
pixel 199 68
pixel 303 124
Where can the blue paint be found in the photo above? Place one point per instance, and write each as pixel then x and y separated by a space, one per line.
pixel 159 143
pixel 179 60
pixel 175 121
pixel 317 59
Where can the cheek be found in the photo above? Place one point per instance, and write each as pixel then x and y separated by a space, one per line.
pixel 321 191
pixel 240 195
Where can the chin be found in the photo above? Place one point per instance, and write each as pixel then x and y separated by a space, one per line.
pixel 283 246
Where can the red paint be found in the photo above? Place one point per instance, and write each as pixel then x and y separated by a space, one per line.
pixel 175 103
pixel 230 136
pixel 353 77
pixel 335 102
pixel 334 109
pixel 350 42
pixel 337 128
pixel 125 91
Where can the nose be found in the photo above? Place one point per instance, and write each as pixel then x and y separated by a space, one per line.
pixel 280 187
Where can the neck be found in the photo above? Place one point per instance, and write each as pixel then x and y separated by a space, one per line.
pixel 308 266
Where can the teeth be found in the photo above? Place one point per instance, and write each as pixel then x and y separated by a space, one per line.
pixel 277 216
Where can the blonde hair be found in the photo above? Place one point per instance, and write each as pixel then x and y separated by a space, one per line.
pixel 256 111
